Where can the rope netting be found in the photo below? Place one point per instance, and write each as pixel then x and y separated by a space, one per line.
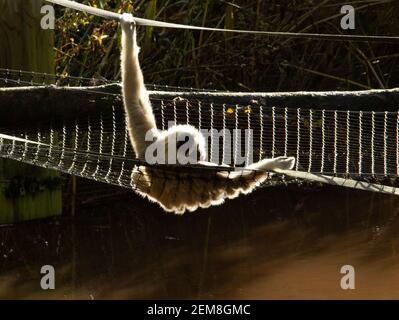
pixel 360 145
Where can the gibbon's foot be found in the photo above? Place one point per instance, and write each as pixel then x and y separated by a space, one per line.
pixel 284 163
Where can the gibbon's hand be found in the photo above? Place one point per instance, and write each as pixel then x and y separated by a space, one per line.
pixel 129 28
pixel 127 21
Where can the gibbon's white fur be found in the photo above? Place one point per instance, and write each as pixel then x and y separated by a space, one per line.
pixel 182 187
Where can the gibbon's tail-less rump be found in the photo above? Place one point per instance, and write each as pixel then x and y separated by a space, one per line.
pixel 178 188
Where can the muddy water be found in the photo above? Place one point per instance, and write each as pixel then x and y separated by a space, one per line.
pixel 276 243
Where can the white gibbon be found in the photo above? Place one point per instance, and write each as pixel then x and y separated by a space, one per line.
pixel 179 188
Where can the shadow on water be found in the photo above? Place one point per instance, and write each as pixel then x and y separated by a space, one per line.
pixel 285 242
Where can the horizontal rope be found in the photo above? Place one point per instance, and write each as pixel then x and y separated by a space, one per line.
pixel 12 138
pixel 153 23
pixel 341 182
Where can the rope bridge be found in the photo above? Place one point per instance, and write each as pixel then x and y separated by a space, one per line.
pixel 77 126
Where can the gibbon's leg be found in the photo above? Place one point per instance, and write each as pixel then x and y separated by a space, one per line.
pixel 138 109
pixel 245 180
pixel 284 163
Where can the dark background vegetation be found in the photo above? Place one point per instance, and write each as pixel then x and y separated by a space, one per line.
pixel 285 242
pixel 88 45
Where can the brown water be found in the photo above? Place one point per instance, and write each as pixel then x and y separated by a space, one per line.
pixel 278 243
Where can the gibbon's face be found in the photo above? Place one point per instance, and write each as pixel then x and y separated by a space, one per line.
pixel 190 144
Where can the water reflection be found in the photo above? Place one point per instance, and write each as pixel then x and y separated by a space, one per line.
pixel 277 243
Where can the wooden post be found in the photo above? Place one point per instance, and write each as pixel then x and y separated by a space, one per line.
pixel 24 45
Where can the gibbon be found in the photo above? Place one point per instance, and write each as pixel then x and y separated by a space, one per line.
pixel 179 188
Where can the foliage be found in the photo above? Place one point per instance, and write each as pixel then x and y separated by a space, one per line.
pixel 89 46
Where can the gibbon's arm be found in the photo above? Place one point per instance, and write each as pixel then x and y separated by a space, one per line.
pixel 140 118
